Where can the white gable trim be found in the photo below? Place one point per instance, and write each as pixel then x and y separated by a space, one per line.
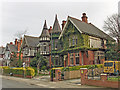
pixel 63 29
pixel 75 26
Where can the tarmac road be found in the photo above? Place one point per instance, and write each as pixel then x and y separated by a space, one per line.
pixel 7 83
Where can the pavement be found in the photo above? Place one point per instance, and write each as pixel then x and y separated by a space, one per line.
pixel 44 82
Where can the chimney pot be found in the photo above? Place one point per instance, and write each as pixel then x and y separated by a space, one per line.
pixel 11 43
pixel 84 18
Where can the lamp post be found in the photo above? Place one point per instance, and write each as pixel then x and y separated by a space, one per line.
pixel 51 49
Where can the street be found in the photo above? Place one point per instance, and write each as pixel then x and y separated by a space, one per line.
pixel 15 83
pixel 7 83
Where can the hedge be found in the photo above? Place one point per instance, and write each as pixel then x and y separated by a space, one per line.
pixel 78 67
pixel 73 68
pixel 19 71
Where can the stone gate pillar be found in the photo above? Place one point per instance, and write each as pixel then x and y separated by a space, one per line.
pixel 57 74
pixel 83 72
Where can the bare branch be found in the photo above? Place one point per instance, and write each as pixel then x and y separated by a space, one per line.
pixel 20 34
pixel 112 25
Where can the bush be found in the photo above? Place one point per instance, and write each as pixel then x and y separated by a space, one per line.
pixel 19 71
pixel 35 70
pixel 78 67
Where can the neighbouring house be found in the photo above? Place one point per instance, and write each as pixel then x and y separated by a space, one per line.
pixel 12 49
pixel 29 48
pixel 1 54
pixel 82 43
pixel 54 34
pixel 44 43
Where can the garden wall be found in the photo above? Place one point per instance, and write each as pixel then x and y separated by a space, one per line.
pixel 102 82
pixel 72 74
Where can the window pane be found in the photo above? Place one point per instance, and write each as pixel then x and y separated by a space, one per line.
pixel 77 60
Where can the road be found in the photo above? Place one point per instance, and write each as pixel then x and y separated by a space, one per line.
pixel 35 84
pixel 7 83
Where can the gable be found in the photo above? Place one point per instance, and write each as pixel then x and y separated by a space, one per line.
pixel 31 41
pixel 71 37
pixel 69 29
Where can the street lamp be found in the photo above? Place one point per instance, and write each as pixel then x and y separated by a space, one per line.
pixel 51 49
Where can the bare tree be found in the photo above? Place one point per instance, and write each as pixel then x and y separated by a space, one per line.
pixel 20 34
pixel 112 25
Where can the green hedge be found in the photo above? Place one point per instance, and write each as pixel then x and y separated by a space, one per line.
pixel 19 71
pixel 78 67
pixel 84 66
pixel 73 68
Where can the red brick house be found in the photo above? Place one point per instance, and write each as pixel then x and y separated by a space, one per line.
pixel 82 43
pixel 12 49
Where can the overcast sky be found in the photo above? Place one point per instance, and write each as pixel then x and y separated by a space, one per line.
pixel 31 14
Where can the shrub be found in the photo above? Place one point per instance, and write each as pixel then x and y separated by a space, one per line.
pixel 20 71
pixel 78 67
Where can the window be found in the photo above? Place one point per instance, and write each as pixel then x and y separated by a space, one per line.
pixel 108 64
pixel 76 41
pixel 77 60
pixel 56 45
pixel 102 42
pixel 73 41
pixel 56 61
pixel 69 42
pixel 44 48
pixel 71 61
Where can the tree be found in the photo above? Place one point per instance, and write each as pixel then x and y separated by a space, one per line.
pixel 39 61
pixel 112 25
pixel 111 52
pixel 13 60
pixel 20 34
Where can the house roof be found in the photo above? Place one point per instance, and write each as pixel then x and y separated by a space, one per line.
pixel 2 50
pixel 45 32
pixel 12 47
pixel 56 26
pixel 31 41
pixel 87 28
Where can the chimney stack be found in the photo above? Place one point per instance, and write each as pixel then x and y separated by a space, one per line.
pixel 21 41
pixel 63 23
pixel 84 18
pixel 50 29
pixel 16 41
pixel 18 46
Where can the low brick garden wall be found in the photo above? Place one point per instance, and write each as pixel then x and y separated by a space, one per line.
pixel 71 74
pixel 102 82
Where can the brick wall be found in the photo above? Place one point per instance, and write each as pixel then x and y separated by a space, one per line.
pixel 112 84
pixel 103 82
pixel 72 74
